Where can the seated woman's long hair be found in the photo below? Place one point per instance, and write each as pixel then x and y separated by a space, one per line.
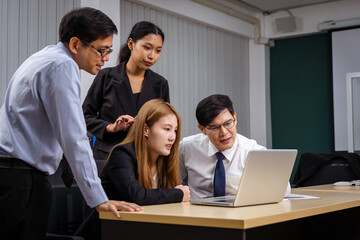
pixel 167 166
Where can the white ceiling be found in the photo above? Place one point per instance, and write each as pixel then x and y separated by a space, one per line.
pixel 271 6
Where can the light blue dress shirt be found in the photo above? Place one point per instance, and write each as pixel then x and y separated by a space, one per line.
pixel 42 118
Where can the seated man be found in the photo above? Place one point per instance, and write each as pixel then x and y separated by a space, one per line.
pixel 213 161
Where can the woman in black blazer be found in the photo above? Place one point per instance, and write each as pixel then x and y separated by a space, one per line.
pixel 118 93
pixel 144 168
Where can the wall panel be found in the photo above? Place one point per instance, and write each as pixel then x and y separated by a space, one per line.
pixel 300 86
pixel 26 26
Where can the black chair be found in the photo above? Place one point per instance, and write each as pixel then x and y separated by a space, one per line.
pixel 68 209
pixel 51 236
pixel 326 168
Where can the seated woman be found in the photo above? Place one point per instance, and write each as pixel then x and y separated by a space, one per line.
pixel 144 167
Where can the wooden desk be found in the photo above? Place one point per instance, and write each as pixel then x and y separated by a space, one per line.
pixel 335 214
pixel 332 188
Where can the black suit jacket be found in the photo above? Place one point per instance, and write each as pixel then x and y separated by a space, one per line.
pixel 120 180
pixel 110 96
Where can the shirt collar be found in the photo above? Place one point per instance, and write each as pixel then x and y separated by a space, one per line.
pixel 63 47
pixel 228 153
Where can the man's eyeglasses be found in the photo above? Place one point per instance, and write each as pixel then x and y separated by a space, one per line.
pixel 102 52
pixel 215 129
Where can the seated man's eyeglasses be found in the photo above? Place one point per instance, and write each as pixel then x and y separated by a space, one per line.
pixel 215 129
pixel 102 52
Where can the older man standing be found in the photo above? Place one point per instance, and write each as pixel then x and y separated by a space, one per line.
pixel 42 119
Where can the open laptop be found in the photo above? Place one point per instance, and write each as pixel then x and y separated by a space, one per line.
pixel 264 180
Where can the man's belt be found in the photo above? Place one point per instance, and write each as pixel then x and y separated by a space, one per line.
pixel 14 163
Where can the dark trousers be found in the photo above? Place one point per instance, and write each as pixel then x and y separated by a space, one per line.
pixel 25 199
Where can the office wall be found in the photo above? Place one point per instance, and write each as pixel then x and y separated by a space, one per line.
pixel 201 13
pixel 211 60
pixel 198 60
pixel 308 19
pixel 311 16
pixel 259 94
pixel 27 26
pixel 345 59
pixel 300 83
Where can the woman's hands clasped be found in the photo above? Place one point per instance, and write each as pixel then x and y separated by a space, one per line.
pixel 186 192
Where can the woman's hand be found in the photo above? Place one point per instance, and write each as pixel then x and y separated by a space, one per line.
pixel 121 123
pixel 186 192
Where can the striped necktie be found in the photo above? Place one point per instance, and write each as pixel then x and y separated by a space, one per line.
pixel 66 173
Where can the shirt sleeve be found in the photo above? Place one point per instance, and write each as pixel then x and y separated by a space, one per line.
pixel 61 99
pixel 182 168
pixel 121 172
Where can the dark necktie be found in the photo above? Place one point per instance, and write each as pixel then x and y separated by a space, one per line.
pixel 66 173
pixel 219 177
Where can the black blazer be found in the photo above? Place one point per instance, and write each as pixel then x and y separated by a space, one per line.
pixel 120 180
pixel 110 96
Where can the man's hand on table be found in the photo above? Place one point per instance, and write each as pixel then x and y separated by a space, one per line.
pixel 115 206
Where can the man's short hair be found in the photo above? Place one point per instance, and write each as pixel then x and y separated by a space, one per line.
pixel 210 107
pixel 87 24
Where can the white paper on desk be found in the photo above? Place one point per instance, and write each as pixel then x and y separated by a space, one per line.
pixel 347 183
pixel 298 196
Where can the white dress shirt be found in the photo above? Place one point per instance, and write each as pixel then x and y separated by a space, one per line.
pixel 42 118
pixel 198 161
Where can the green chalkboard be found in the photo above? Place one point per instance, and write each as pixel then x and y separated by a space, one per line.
pixel 300 88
